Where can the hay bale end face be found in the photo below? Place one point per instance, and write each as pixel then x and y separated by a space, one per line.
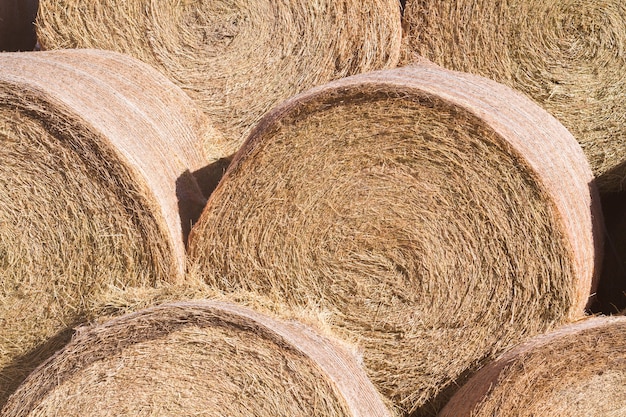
pixel 568 56
pixel 97 150
pixel 204 357
pixel 237 59
pixel 577 370
pixel 436 216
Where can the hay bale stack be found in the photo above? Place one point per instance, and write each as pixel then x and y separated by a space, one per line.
pixel 97 150
pixel 198 358
pixel 17 25
pixel 578 370
pixel 568 56
pixel 237 59
pixel 436 216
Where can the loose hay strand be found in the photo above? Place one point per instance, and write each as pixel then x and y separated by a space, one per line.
pixel 568 56
pixel 239 58
pixel 437 217
pixel 206 357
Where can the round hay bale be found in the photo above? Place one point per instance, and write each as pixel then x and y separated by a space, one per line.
pixel 568 56
pixel 17 25
pixel 96 184
pixel 237 59
pixel 437 217
pixel 578 370
pixel 198 358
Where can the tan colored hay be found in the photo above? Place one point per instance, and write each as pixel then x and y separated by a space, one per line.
pixel 436 216
pixel 198 358
pixel 578 370
pixel 236 58
pixel 95 160
pixel 568 56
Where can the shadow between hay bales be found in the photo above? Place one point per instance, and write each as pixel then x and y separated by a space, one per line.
pixel 209 176
pixel 17 25
pixel 610 296
pixel 436 404
pixel 190 207
pixel 12 375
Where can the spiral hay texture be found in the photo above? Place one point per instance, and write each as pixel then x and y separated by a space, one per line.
pixel 237 58
pixel 198 358
pixel 578 370
pixel 568 56
pixel 436 216
pixel 95 163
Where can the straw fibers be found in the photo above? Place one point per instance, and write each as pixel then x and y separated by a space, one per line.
pixel 237 58
pixel 17 25
pixel 198 358
pixel 436 216
pixel 97 150
pixel 567 55
pixel 576 371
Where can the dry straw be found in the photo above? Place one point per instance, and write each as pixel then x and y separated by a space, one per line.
pixel 236 58
pixel 436 216
pixel 567 55
pixel 198 358
pixel 578 370
pixel 97 150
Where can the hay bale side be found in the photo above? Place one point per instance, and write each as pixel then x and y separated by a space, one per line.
pixel 567 56
pixel 437 217
pixel 17 25
pixel 203 357
pixel 236 59
pixel 577 370
pixel 96 155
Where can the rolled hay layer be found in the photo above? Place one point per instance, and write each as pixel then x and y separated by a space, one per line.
pixel 578 370
pixel 17 25
pixel 95 182
pixel 568 56
pixel 198 358
pixel 236 58
pixel 436 216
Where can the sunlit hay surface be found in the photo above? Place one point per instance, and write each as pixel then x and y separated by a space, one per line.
pixel 236 58
pixel 198 358
pixel 567 55
pixel 89 176
pixel 385 200
pixel 579 370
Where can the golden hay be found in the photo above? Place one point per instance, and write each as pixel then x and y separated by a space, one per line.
pixel 578 370
pixel 198 358
pixel 437 216
pixel 236 58
pixel 17 25
pixel 95 163
pixel 567 55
